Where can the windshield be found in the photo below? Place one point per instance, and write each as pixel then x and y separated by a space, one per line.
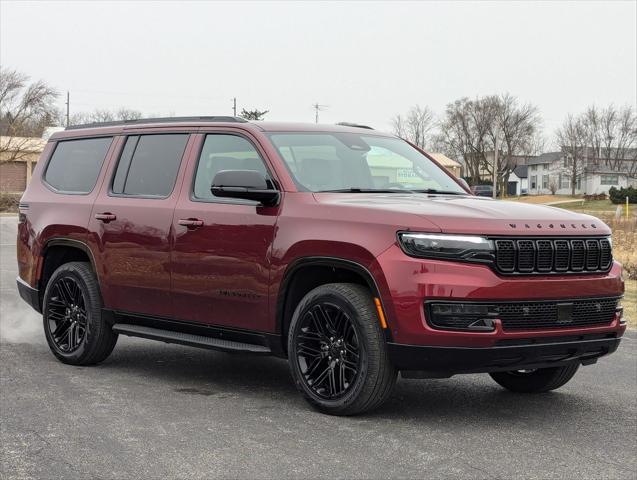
pixel 321 162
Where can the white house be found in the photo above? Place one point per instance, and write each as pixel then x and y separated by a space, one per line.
pixel 553 171
pixel 518 181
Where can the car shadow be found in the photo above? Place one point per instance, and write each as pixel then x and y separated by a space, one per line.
pixel 466 400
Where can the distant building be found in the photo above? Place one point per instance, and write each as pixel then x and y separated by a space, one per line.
pixel 595 174
pixel 451 165
pixel 518 181
pixel 18 156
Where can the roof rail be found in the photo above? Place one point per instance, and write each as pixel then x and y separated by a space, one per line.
pixel 356 125
pixel 139 121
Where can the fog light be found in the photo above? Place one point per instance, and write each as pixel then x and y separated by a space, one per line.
pixel 462 316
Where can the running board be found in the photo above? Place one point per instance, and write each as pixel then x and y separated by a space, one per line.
pixel 189 339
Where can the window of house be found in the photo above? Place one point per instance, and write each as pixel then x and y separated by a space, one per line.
pixel 225 152
pixel 565 181
pixel 149 164
pixel 545 181
pixel 533 182
pixel 75 164
pixel 533 168
pixel 609 179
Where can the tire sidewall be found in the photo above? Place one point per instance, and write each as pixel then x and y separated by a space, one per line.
pixel 342 302
pixel 66 271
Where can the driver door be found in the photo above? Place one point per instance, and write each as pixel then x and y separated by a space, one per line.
pixel 221 252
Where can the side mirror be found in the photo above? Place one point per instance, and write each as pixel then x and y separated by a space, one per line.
pixel 464 183
pixel 246 184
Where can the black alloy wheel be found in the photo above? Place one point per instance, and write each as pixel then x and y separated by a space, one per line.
pixel 337 350
pixel 327 350
pixel 66 315
pixel 74 326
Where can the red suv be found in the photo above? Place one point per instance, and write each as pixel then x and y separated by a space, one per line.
pixel 348 251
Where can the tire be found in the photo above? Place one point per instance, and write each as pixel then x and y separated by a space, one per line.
pixel 72 316
pixel 536 381
pixel 361 381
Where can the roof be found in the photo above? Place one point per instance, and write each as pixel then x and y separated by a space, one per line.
pixel 521 171
pixel 115 128
pixel 23 144
pixel 444 160
pixel 548 157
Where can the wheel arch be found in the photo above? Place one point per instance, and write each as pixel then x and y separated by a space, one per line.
pixel 58 251
pixel 320 270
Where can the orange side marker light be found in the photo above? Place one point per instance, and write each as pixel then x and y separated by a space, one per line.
pixel 381 314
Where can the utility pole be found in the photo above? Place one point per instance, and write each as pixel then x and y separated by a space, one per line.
pixel 234 106
pixel 495 166
pixel 317 108
pixel 68 105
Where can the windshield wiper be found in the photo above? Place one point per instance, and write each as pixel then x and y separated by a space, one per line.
pixel 440 192
pixel 366 190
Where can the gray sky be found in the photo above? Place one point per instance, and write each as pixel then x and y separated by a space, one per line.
pixel 367 61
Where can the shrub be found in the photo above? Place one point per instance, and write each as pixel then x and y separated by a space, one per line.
pixel 9 202
pixel 618 195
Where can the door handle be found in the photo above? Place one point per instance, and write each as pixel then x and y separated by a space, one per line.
pixel 190 222
pixel 105 217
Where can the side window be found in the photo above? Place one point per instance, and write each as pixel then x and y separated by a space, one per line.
pixel 224 152
pixel 149 164
pixel 75 164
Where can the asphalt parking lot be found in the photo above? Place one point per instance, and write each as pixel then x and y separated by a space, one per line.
pixel 161 411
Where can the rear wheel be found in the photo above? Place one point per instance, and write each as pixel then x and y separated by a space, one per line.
pixel 535 381
pixel 72 313
pixel 337 353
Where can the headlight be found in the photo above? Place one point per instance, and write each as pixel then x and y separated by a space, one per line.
pixel 462 247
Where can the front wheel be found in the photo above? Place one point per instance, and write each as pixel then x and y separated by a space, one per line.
pixel 535 381
pixel 337 352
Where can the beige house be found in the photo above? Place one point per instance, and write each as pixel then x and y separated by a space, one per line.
pixel 451 165
pixel 18 156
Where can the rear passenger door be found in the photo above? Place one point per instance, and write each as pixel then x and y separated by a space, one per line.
pixel 221 264
pixel 130 229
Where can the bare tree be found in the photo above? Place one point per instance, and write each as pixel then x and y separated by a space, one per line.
pixel 103 115
pixel 470 130
pixel 600 138
pixel 26 109
pixel 416 126
pixel 398 126
pixel 612 134
pixel 573 138
pixel 518 127
pixel 255 114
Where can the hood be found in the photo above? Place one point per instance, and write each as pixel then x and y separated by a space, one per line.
pixel 473 215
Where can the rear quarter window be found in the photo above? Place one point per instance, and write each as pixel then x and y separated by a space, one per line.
pixel 75 164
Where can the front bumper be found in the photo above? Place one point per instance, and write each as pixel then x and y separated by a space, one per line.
pixel 406 283
pixel 29 294
pixel 436 361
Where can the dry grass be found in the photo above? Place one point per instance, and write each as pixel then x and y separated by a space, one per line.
pixel 630 303
pixel 542 198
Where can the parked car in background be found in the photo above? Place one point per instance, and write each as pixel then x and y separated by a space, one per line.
pixel 349 252
pixel 483 190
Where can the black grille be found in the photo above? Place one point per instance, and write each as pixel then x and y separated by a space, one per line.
pixel 553 255
pixel 556 314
